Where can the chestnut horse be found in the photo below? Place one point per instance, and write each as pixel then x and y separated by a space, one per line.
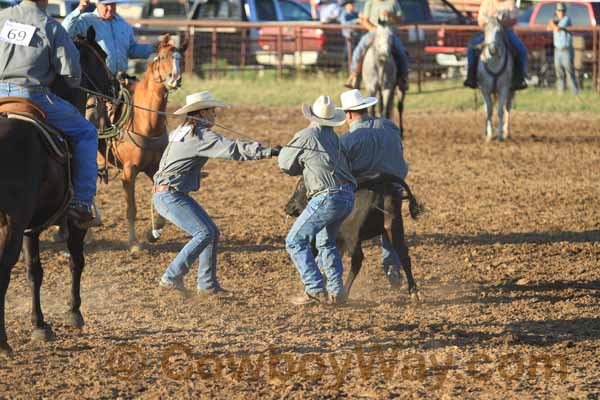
pixel 143 136
pixel 34 190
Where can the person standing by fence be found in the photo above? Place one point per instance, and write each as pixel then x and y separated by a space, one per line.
pixel 563 50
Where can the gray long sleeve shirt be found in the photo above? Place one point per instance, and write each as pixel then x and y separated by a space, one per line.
pixel 316 153
pixel 50 52
pixel 187 152
pixel 374 147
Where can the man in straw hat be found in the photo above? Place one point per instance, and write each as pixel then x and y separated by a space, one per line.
pixel 190 146
pixel 315 153
pixel 374 147
pixel 563 50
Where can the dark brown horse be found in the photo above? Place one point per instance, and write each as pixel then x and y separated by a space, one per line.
pixel 144 134
pixel 33 186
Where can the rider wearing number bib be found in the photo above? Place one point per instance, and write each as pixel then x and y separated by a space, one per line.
pixel 35 49
pixel 494 9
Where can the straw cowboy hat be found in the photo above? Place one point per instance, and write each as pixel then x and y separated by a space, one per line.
pixel 353 100
pixel 323 112
pixel 200 101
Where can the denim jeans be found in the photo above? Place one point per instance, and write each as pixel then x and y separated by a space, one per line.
pixel 321 220
pixel 82 134
pixel 389 257
pixel 188 215
pixel 563 66
pixel 514 40
pixel 399 53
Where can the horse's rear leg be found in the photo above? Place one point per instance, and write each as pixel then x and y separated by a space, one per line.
pixel 35 274
pixel 11 239
pixel 394 228
pixel 158 222
pixel 76 264
pixel 129 174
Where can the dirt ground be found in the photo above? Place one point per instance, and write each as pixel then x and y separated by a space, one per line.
pixel 507 258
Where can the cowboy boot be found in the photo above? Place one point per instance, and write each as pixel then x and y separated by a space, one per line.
pixel 518 82
pixel 471 80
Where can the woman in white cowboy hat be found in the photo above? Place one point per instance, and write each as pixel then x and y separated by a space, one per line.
pixel 190 147
pixel 315 153
pixel 374 147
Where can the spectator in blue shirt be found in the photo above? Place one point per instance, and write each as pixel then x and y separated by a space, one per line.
pixel 349 17
pixel 563 50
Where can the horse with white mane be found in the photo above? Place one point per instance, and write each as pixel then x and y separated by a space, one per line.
pixel 495 76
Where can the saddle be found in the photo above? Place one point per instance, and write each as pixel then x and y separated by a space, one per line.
pixel 26 110
pixel 21 106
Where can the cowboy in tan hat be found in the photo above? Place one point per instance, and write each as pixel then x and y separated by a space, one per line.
pixel 315 153
pixel 374 147
pixel 190 147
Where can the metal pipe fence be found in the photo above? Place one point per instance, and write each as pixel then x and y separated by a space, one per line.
pixel 436 52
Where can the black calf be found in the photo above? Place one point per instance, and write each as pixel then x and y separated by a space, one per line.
pixel 377 211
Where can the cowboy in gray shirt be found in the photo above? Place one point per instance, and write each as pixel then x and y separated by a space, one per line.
pixel 374 147
pixel 316 153
pixel 35 50
pixel 190 147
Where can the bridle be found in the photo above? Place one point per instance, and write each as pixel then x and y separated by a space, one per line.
pixel 157 75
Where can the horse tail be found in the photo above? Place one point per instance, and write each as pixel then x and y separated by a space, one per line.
pixel 414 207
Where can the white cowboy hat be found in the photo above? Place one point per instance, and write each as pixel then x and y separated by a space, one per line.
pixel 200 101
pixel 353 100
pixel 323 112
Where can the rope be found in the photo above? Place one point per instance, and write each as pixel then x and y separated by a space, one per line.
pixel 113 131
pixel 187 117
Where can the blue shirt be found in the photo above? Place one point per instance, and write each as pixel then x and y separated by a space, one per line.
pixel 348 18
pixel 190 148
pixel 562 37
pixel 115 36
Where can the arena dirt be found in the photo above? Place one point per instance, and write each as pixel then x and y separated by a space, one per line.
pixel 506 256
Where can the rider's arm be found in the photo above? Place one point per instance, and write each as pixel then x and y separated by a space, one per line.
pixel 290 156
pixel 135 49
pixel 213 145
pixel 74 24
pixel 363 18
pixel 65 56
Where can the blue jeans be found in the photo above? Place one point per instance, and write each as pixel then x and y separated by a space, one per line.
pixel 389 257
pixel 321 220
pixel 513 39
pixel 184 212
pixel 399 53
pixel 563 66
pixel 82 134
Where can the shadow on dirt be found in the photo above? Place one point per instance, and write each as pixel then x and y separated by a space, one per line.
pixel 510 238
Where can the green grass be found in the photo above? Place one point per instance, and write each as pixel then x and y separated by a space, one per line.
pixel 266 91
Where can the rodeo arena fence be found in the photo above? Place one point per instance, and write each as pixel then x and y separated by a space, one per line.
pixel 291 49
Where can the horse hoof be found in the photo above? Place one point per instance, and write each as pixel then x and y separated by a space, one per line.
pixel 135 248
pixel 75 320
pixel 152 235
pixel 44 334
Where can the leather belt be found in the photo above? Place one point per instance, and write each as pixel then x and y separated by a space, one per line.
pixel 166 188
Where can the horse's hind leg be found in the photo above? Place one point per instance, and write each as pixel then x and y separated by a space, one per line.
pixel 11 239
pixel 158 222
pixel 357 258
pixel 76 264
pixel 129 174
pixel 394 228
pixel 35 275
pixel 507 109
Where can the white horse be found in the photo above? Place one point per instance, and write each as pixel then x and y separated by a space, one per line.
pixel 495 75
pixel 380 74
